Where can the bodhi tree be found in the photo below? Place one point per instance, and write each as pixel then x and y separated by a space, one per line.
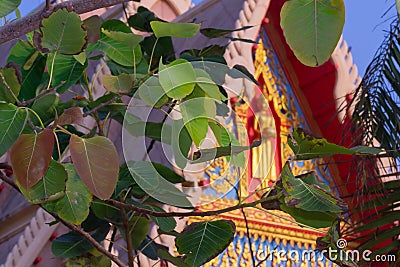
pixel 55 130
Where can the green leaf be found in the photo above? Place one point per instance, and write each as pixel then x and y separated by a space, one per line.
pixel 312 28
pixel 66 70
pixel 239 71
pixel 74 206
pixel 8 6
pixel 117 84
pixel 168 174
pixel 116 50
pixel 305 192
pixel 62 32
pixel 9 84
pixel 30 157
pixel 70 245
pixel 130 39
pixel 12 122
pixel 138 230
pixel 45 107
pixel 81 58
pixel 152 93
pixel 195 113
pixel 181 143
pixel 306 146
pixel 166 224
pixel 147 177
pixel 202 241
pixel 141 20
pixel 33 67
pixel 204 155
pixel 105 211
pixel 73 244
pixel 215 33
pixel 204 81
pixel 154 130
pixel 50 188
pixel 177 78
pixel 97 163
pixel 174 29
pixel 314 219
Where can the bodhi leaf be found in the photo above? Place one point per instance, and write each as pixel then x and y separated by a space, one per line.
pixel 204 155
pixel 152 93
pixel 45 107
pixel 97 163
pixel 202 241
pixel 174 29
pixel 312 28
pixel 195 113
pixel 305 192
pixel 74 205
pixel 73 244
pixel 62 32
pixel 66 69
pixel 147 177
pixel 138 230
pixel 166 224
pixel 215 33
pixel 8 6
pixel 118 51
pixel 10 84
pixel 117 84
pixel 311 218
pixel 177 78
pixel 128 38
pixel 181 143
pixel 12 122
pixel 30 157
pixel 306 146
pixel 32 71
pixel 50 188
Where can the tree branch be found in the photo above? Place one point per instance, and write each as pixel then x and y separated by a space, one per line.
pixel 102 105
pixel 31 22
pixel 191 213
pixel 71 226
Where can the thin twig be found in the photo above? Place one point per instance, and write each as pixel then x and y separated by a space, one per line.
pixel 5 166
pixel 102 105
pixel 191 213
pixel 22 26
pixel 40 95
pixel 127 237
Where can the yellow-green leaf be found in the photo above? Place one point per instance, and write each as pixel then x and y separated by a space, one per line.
pixel 12 122
pixel 10 85
pixel 174 29
pixel 312 28
pixel 117 84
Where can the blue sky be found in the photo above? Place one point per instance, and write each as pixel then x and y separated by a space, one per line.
pixel 363 31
